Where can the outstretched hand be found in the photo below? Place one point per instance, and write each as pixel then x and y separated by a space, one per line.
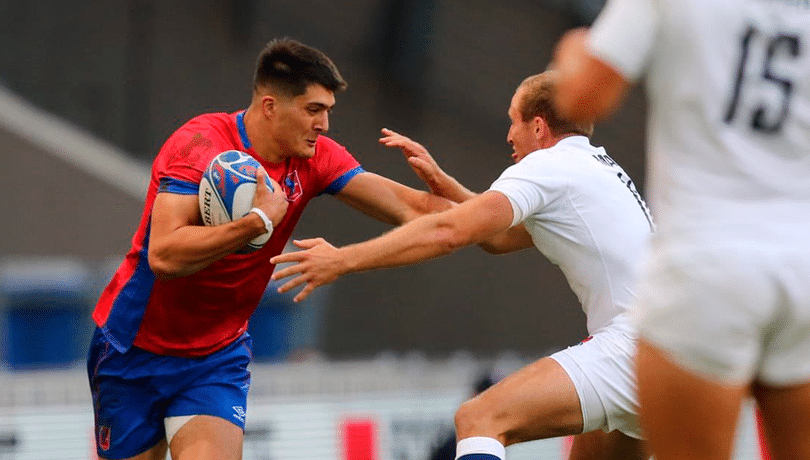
pixel 318 264
pixel 418 158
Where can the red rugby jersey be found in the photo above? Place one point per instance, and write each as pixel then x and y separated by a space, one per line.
pixel 198 314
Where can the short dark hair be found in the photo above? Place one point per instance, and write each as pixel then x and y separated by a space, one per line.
pixel 288 66
pixel 537 100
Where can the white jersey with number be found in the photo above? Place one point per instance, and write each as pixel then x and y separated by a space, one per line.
pixel 729 122
pixel 585 215
pixel 726 292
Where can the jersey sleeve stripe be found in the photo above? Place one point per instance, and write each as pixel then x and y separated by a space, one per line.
pixel 338 184
pixel 180 187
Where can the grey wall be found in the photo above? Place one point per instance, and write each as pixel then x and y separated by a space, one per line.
pixel 132 71
pixel 51 207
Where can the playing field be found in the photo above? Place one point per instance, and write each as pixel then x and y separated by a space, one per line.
pixel 386 409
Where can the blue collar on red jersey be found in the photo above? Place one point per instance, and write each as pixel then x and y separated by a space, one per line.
pixel 240 126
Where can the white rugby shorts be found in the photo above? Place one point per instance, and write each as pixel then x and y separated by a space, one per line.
pixel 730 312
pixel 602 368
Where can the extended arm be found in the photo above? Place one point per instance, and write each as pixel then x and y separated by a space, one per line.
pixel 389 201
pixel 587 89
pixel 442 184
pixel 423 164
pixel 512 239
pixel 430 236
pixel 179 245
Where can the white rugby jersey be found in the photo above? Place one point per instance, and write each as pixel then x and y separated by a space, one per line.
pixel 585 215
pixel 729 120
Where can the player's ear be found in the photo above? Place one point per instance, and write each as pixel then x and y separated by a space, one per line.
pixel 269 104
pixel 540 127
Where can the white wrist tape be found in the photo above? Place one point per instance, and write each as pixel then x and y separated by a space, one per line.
pixel 268 224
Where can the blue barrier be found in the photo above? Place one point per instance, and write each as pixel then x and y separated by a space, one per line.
pixel 270 325
pixel 45 312
pixel 282 329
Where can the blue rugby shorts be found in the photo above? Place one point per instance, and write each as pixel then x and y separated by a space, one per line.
pixel 135 391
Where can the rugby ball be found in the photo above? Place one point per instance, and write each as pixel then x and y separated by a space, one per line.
pixel 226 191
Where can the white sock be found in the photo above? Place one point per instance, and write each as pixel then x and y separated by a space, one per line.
pixel 487 448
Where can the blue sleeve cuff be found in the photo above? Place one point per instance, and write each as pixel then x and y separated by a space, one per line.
pixel 338 184
pixel 181 187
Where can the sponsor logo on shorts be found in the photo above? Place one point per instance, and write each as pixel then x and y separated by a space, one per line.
pixel 104 437
pixel 239 413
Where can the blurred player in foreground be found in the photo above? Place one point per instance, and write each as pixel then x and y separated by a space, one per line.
pixel 724 302
pixel 168 362
pixel 580 209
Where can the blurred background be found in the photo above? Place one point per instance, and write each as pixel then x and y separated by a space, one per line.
pixel 373 366
pixel 128 73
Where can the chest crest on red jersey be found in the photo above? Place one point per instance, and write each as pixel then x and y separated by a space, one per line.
pixel 292 186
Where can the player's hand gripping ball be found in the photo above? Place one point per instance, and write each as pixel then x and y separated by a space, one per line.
pixel 226 191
